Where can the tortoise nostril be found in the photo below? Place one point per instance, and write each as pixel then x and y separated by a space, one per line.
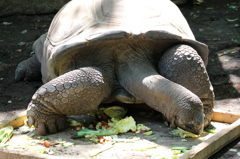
pixel 190 126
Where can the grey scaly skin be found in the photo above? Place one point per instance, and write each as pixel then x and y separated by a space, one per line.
pixel 194 77
pixel 144 69
pixel 74 93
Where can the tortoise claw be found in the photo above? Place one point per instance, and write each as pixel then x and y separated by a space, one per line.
pixel 52 128
pixel 61 125
pixel 30 121
pixel 41 129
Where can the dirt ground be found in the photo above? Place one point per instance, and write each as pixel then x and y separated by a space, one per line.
pixel 217 25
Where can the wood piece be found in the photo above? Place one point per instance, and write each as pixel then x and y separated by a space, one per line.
pixel 5 154
pixel 202 150
pixel 215 143
pixel 225 117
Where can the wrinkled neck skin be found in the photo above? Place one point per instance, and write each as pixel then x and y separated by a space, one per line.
pixel 178 105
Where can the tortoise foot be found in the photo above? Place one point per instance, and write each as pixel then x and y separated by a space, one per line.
pixel 46 122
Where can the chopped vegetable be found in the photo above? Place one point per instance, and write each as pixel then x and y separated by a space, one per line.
pixel 87 123
pixel 101 132
pixel 5 134
pixel 67 144
pixel 123 125
pixel 238 153
pixel 182 133
pixel 46 143
pixel 210 129
pixel 4 145
pixel 104 117
pixel 141 127
pixel 127 140
pixel 233 150
pixel 178 148
pixel 115 127
pixel 93 138
pixel 43 137
pixel 148 133
pixel 115 112
pixel 59 147
pixel 73 122
pixel 154 139
pixel 42 151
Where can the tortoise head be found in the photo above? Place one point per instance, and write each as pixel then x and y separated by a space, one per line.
pixel 190 119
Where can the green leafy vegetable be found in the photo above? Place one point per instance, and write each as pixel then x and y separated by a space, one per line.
pixel 238 153
pixel 101 132
pixel 4 145
pixel 72 122
pixel 148 133
pixel 116 127
pixel 210 129
pixel 43 137
pixel 141 127
pixel 67 144
pixel 115 112
pixel 179 150
pixel 182 133
pixel 5 134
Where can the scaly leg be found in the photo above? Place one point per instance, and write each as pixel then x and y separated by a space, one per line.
pixel 183 65
pixel 74 93
pixel 138 75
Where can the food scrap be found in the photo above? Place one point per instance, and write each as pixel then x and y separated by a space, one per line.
pixel 183 134
pixel 210 129
pixel 96 130
pixel 5 134
pixel 116 112
pixel 46 143
pixel 114 127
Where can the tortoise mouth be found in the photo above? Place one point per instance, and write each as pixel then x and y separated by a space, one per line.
pixel 195 129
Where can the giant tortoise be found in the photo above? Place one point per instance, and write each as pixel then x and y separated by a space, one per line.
pixel 130 51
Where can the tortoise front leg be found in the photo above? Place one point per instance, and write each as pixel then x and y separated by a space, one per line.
pixel 179 105
pixel 183 65
pixel 73 93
